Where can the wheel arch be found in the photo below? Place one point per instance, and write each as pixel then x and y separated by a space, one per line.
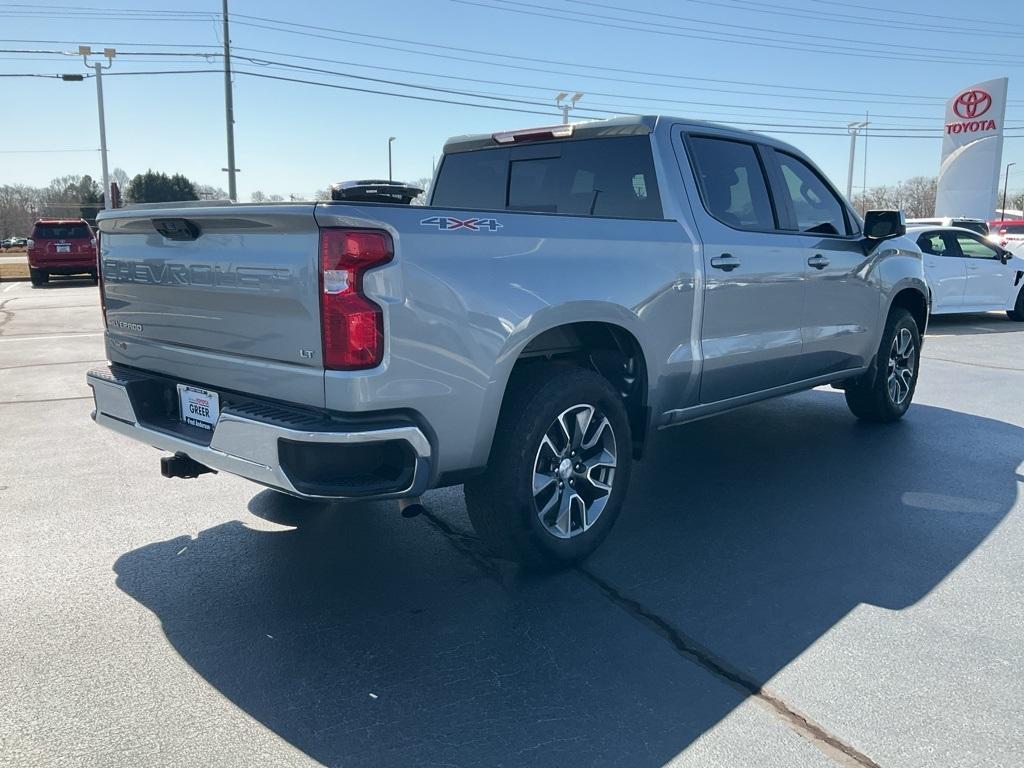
pixel 605 346
pixel 912 299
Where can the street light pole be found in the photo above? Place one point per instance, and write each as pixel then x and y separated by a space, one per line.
pixel 567 105
pixel 85 52
pixel 390 139
pixel 853 128
pixel 1006 183
pixel 98 68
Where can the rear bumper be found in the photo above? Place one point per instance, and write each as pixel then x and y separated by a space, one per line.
pixel 56 264
pixel 300 453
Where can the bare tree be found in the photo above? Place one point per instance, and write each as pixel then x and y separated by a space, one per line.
pixel 424 184
pixel 915 197
pixel 258 197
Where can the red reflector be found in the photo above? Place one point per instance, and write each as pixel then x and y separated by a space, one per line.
pixel 352 325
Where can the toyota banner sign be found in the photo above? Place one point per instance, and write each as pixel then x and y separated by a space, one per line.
pixel 972 151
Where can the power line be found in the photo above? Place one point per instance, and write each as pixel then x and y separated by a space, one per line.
pixel 389 93
pixel 629 109
pixel 733 38
pixel 380 41
pixel 802 92
pixel 747 27
pixel 34 151
pixel 790 11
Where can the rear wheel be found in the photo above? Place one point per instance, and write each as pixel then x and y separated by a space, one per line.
pixel 558 469
pixel 886 395
pixel 38 276
pixel 1017 313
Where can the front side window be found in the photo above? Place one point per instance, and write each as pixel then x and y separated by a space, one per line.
pixel 731 182
pixel 816 208
pixel 975 248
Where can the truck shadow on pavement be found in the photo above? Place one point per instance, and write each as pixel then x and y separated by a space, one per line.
pixel 362 639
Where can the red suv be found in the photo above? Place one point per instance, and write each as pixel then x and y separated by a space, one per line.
pixel 61 247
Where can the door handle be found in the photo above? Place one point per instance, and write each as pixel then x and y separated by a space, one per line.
pixel 726 262
pixel 818 261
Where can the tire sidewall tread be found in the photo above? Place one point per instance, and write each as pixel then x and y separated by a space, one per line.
pixel 500 501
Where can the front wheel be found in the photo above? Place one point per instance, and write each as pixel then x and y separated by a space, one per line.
pixel 558 469
pixel 886 395
pixel 1017 313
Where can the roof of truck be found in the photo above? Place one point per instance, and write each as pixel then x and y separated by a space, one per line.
pixel 632 125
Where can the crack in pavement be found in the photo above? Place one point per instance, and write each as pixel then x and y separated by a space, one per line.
pixel 835 748
pixel 974 365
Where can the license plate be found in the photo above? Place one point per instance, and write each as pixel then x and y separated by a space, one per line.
pixel 63 248
pixel 199 407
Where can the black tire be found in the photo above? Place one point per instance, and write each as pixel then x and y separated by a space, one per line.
pixel 871 397
pixel 1017 313
pixel 38 276
pixel 501 501
pixel 95 278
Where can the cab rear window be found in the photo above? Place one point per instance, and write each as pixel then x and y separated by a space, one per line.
pixel 60 231
pixel 587 177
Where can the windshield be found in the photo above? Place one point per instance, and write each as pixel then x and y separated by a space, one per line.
pixel 60 231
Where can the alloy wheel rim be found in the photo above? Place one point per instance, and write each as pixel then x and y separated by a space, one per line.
pixel 573 471
pixel 902 361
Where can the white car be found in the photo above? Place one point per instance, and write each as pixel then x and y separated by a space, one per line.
pixel 968 273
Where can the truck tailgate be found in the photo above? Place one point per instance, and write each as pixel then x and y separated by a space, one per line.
pixel 225 296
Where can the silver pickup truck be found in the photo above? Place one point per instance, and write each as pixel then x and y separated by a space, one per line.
pixel 567 291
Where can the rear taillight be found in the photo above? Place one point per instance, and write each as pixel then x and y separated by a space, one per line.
pixel 351 324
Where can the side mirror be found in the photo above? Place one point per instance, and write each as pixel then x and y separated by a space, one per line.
pixel 881 225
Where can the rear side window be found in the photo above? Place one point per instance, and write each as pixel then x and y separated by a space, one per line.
pixel 816 208
pixel 472 180
pixel 732 183
pixel 587 177
pixel 60 231
pixel 592 177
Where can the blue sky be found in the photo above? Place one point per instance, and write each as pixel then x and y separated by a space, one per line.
pixel 804 64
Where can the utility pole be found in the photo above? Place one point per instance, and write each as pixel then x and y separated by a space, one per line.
pixel 85 52
pixel 567 105
pixel 853 128
pixel 229 110
pixel 1006 183
pixel 390 139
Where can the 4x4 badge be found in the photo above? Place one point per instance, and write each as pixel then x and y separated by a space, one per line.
pixel 450 222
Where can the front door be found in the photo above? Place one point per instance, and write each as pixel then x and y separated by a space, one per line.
pixel 750 338
pixel 841 306
pixel 989 281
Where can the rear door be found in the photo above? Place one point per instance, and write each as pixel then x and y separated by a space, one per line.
pixel 944 269
pixel 754 280
pixel 989 280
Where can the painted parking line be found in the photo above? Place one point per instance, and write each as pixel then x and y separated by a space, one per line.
pixel 12 285
pixel 31 337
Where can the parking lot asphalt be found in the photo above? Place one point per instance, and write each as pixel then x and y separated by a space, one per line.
pixel 786 587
